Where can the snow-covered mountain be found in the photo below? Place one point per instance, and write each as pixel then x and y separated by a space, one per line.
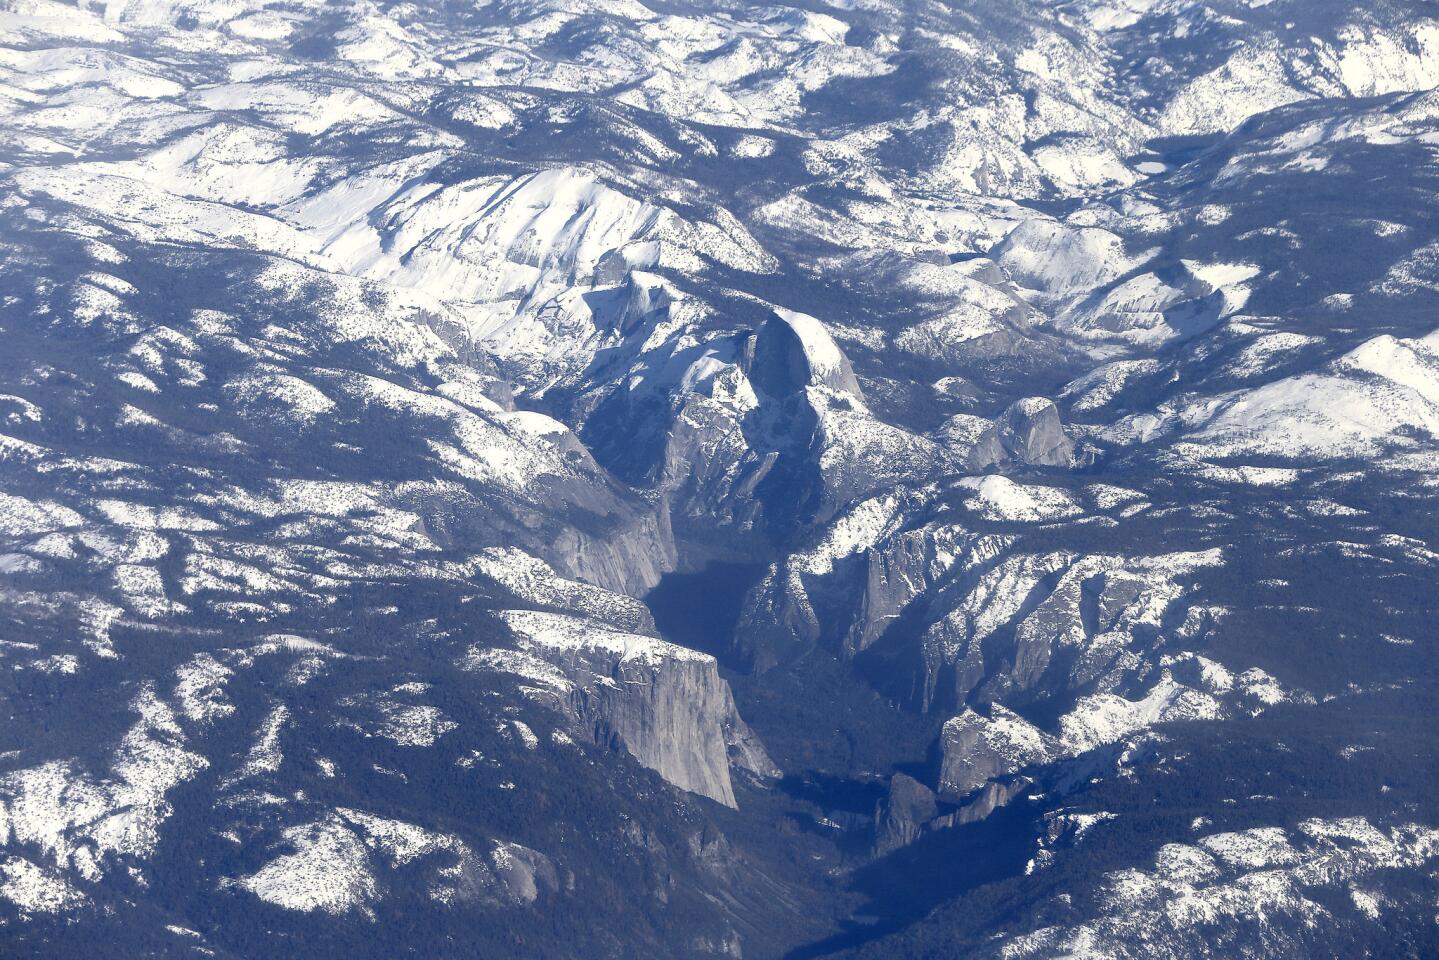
pixel 593 478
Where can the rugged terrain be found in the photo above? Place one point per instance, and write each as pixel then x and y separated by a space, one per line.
pixel 592 478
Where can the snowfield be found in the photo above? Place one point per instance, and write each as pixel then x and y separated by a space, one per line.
pixel 601 478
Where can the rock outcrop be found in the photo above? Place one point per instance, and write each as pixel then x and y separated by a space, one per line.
pixel 665 705
pixel 1028 433
pixel 793 351
pixel 977 749
pixel 904 814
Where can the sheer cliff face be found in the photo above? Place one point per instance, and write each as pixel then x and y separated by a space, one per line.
pixel 663 704
pixel 676 725
pixel 1036 402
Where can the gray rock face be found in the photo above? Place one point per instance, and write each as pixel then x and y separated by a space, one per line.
pixel 670 716
pixel 629 557
pixel 791 352
pixel 893 578
pixel 1032 433
pixel 711 468
pixel 1028 433
pixel 903 815
pixel 778 620
pixel 977 749
pixel 666 706
pixel 911 809
pixel 726 435
pixel 522 873
pixel 583 525
pixel 746 751
pixel 990 798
